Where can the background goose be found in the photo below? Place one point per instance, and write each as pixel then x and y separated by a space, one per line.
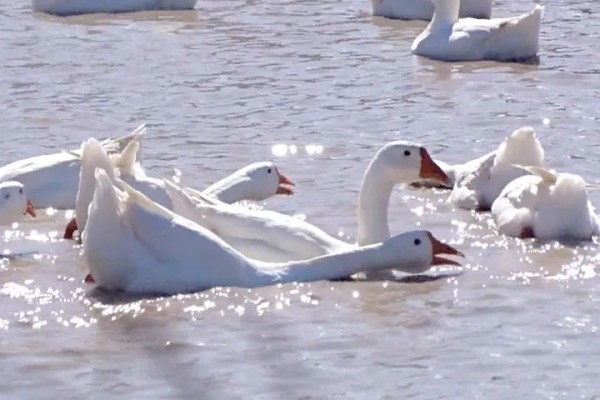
pixel 480 181
pixel 73 7
pixel 423 9
pixel 546 205
pixel 14 203
pixel 52 180
pixel 449 38
pixel 126 249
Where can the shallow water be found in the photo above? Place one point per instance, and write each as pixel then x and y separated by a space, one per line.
pixel 317 86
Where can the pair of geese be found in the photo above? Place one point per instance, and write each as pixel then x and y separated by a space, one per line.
pixel 460 30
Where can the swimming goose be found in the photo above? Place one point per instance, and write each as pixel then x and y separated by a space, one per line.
pixel 74 7
pixel 255 182
pixel 52 179
pixel 546 205
pixel 423 9
pixel 449 38
pixel 271 236
pixel 14 203
pixel 135 245
pixel 480 181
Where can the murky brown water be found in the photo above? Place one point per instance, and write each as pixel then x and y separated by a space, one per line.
pixel 219 87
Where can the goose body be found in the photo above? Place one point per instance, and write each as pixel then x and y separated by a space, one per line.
pixel 448 38
pixel 546 205
pixel 73 7
pixel 479 182
pixel 135 245
pixel 52 180
pixel 423 9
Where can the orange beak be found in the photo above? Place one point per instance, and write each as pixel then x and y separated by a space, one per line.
pixel 70 229
pixel 30 209
pixel 89 279
pixel 284 180
pixel 430 170
pixel 443 248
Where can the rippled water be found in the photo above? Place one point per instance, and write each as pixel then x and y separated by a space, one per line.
pixel 326 84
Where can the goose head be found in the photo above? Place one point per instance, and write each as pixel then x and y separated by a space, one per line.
pixel 405 162
pixel 419 250
pixel 14 202
pixel 264 180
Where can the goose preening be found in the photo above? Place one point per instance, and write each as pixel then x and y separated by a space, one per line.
pixel 423 9
pixel 14 202
pixel 52 179
pixel 257 181
pixel 478 182
pixel 135 245
pixel 448 38
pixel 74 7
pixel 546 205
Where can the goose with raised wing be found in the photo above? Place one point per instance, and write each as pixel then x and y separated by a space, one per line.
pixel 254 182
pixel 423 9
pixel 135 245
pixel 448 38
pixel 479 182
pixel 546 205
pixel 52 180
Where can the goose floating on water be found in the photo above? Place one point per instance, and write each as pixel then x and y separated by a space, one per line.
pixel 423 9
pixel 74 7
pixel 135 245
pixel 546 205
pixel 448 38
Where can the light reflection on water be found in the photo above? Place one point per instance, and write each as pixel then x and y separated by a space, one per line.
pixel 318 87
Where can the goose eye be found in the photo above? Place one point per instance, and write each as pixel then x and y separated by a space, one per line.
pixel 21 190
pixel 417 242
pixel 269 171
pixel 7 196
pixel 406 153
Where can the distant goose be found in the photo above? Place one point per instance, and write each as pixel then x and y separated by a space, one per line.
pixel 74 7
pixel 423 9
pixel 448 38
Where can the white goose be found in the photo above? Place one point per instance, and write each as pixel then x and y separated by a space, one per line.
pixel 546 205
pixel 423 9
pixel 135 245
pixel 14 203
pixel 257 181
pixel 449 38
pixel 73 7
pixel 271 236
pixel 480 181
pixel 52 179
